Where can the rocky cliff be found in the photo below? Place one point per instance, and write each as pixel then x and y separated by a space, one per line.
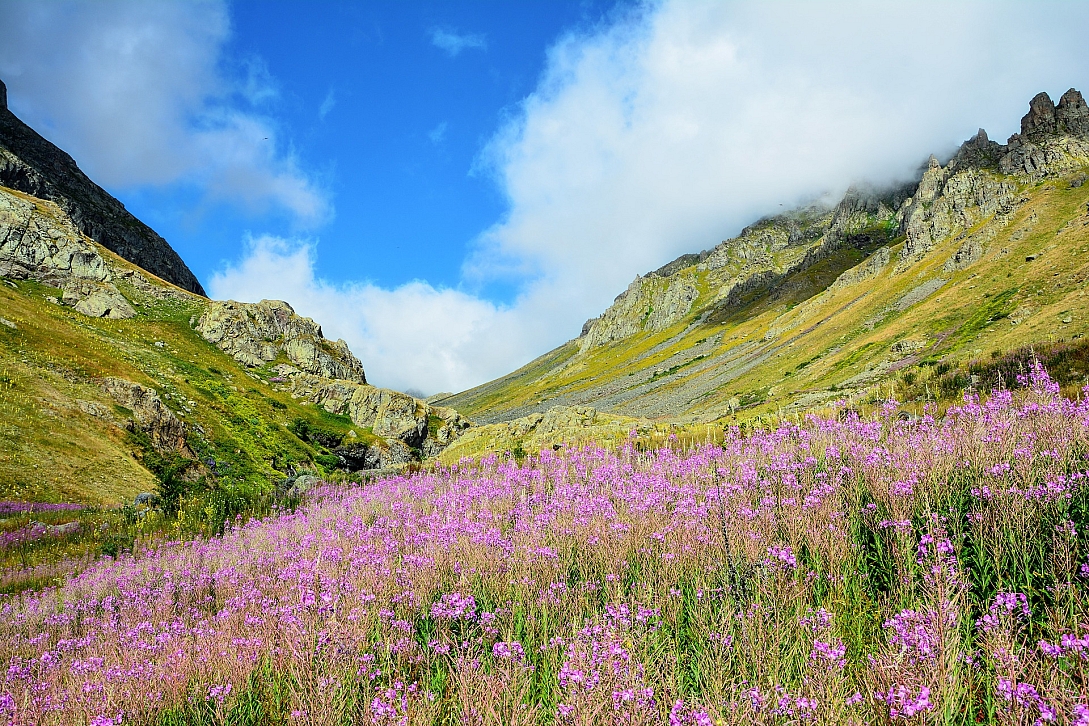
pixel 256 334
pixel 764 254
pixel 984 250
pixel 31 164
pixel 39 242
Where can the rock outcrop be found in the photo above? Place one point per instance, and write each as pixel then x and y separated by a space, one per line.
pixel 390 414
pixel 150 415
pixel 1053 139
pixel 39 242
pixel 258 333
pixel 31 164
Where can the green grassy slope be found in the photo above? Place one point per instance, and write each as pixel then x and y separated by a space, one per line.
pixel 804 341
pixel 62 437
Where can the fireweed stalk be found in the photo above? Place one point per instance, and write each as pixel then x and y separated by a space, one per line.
pixel 833 571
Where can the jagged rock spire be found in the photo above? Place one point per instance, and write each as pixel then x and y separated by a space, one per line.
pixel 1040 120
pixel 3 96
pixel 1044 118
pixel 1072 114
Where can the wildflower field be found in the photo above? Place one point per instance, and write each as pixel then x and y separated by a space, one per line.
pixel 833 570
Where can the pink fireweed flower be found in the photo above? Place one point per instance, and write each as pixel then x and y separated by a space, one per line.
pixel 781 557
pixel 682 715
pixel 1026 695
pixel 1007 610
pixel 454 606
pixel 905 704
pixel 511 651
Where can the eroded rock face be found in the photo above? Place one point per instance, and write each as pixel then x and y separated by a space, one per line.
pixel 257 333
pixel 39 242
pixel 649 304
pixel 390 414
pixel 97 300
pixel 950 200
pixel 149 415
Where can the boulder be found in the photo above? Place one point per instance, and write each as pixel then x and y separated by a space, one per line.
pixel 60 530
pixel 302 484
pixel 97 300
pixel 149 500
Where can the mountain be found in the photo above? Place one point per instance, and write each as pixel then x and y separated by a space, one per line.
pixel 31 164
pixel 981 255
pixel 115 381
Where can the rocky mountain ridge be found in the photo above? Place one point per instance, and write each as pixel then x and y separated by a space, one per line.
pixel 31 164
pixel 711 333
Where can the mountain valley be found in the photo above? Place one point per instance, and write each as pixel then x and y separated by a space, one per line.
pixel 982 255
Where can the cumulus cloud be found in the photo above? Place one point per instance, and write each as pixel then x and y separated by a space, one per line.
pixel 453 42
pixel 136 92
pixel 413 336
pixel 673 126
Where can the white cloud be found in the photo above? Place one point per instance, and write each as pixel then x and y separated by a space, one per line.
pixel 136 93
pixel 327 104
pixel 453 42
pixel 670 129
pixel 414 336
pixel 438 133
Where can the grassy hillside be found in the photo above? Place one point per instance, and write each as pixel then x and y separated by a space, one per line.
pixel 61 436
pixel 803 341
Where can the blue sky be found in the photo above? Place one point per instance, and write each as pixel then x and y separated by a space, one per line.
pixel 387 107
pixel 454 188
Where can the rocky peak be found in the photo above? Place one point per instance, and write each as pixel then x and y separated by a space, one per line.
pixel 3 97
pixel 1072 114
pixel 1040 120
pixel 978 151
pixel 1045 120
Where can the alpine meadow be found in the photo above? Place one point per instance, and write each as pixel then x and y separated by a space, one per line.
pixel 833 469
